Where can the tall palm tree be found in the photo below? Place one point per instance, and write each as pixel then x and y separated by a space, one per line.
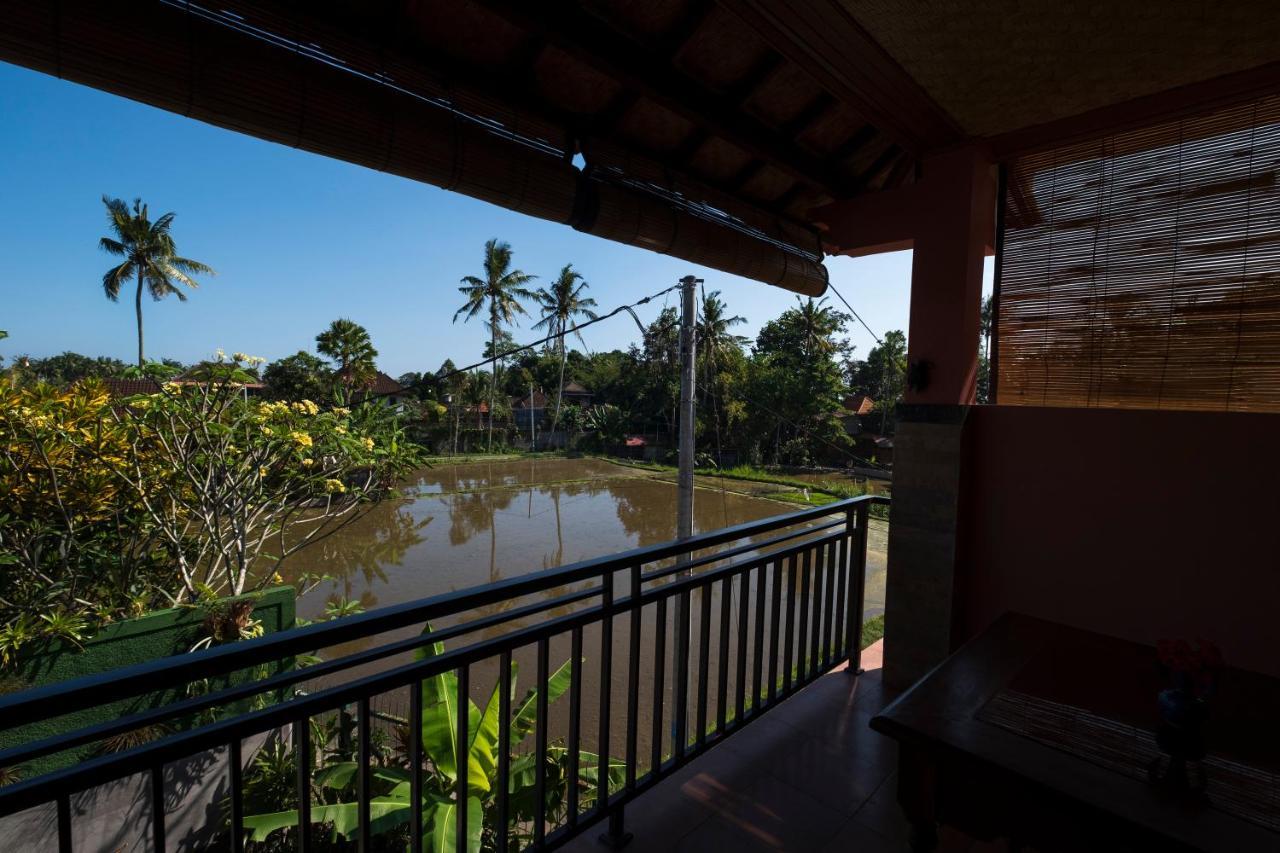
pixel 562 303
pixel 501 289
pixel 347 343
pixel 714 324
pixel 150 257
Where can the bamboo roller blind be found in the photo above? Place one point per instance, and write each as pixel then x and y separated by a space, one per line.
pixel 1143 270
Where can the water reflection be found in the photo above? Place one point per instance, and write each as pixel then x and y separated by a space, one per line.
pixel 463 525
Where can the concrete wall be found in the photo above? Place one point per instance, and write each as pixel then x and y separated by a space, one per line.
pixel 1139 524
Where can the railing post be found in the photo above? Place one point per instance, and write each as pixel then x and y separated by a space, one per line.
pixel 616 837
pixel 856 536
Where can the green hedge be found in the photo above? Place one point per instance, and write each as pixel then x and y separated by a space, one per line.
pixel 160 634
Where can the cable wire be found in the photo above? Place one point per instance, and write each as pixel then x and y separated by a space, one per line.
pixel 855 313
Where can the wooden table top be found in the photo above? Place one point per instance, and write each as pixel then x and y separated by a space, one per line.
pixel 1103 679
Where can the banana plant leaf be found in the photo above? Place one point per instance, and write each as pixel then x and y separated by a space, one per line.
pixel 440 818
pixel 440 725
pixel 342 775
pixel 525 714
pixel 385 814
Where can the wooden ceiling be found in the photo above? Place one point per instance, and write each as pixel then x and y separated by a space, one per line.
pixel 1001 65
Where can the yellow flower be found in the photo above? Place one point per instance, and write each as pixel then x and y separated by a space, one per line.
pixel 277 578
pixel 262 471
pixel 341 411
pixel 307 463
pixel 367 442
pixel 341 430
pixel 266 430
pixel 334 487
pixel 300 438
pixel 306 407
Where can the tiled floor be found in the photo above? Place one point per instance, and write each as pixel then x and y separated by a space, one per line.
pixel 809 776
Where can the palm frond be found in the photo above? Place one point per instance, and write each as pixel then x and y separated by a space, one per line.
pixel 112 279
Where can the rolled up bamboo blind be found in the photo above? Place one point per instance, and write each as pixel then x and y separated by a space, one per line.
pixel 1143 270
pixel 280 72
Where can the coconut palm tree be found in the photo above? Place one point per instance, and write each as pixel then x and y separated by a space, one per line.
pixel 501 289
pixel 150 257
pixel 347 343
pixel 714 325
pixel 562 303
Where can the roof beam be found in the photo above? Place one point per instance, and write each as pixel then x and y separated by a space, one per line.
pixel 593 42
pixel 823 38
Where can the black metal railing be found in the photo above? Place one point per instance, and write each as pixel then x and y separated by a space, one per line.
pixel 647 690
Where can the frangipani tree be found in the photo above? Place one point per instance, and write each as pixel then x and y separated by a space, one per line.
pixel 245 481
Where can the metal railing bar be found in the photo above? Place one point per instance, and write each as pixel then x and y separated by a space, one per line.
pixel 235 773
pixel 101 688
pixel 704 659
pixel 157 809
pixel 659 687
pixel 757 654
pixel 774 635
pixel 606 690
pixel 789 626
pixel 415 767
pixel 502 798
pixel 842 548
pixel 364 755
pixel 633 681
pixel 748 548
pixel 744 615
pixel 722 659
pixel 462 756
pixel 832 604
pixel 302 757
pixel 802 658
pixel 64 824
pixel 860 587
pixel 539 745
pixel 79 737
pixel 575 724
pixel 196 740
pixel 681 663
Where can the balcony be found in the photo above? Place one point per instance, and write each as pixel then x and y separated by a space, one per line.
pixel 750 627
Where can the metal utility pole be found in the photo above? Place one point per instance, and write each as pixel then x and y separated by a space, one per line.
pixel 684 509
pixel 688 346
pixel 533 438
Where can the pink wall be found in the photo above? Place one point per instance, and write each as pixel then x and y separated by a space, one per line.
pixel 1140 524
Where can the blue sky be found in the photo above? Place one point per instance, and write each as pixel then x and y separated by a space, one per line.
pixel 297 241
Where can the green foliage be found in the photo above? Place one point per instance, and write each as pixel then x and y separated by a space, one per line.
pixel 301 376
pixel 69 367
pixel 882 377
pixel 112 508
pixel 347 344
pixel 872 630
pixel 609 426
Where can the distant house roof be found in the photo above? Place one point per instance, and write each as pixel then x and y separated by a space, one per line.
pixel 539 401
pixel 129 387
pixel 572 387
pixel 381 385
pixel 859 404
pixel 636 441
